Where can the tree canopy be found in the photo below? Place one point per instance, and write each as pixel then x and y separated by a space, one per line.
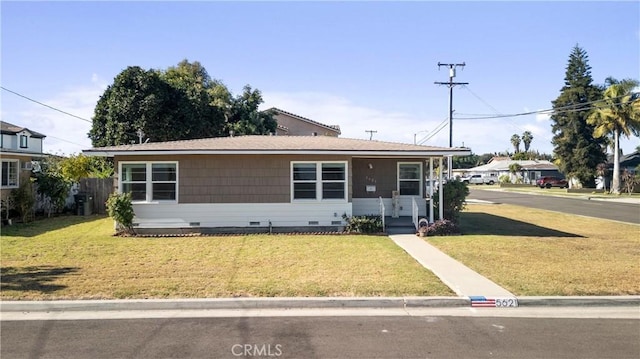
pixel 617 114
pixel 576 149
pixel 180 103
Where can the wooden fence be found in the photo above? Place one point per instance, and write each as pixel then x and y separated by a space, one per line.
pixel 99 189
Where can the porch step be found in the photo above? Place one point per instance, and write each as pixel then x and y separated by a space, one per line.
pixel 401 225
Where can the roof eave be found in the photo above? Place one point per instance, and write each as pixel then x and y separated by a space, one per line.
pixel 357 153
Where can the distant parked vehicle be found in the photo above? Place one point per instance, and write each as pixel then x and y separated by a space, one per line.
pixel 548 182
pixel 478 179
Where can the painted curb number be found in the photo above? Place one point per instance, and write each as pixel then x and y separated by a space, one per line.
pixel 501 302
pixel 506 302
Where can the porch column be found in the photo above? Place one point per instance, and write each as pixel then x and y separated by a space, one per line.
pixel 440 194
pixel 431 189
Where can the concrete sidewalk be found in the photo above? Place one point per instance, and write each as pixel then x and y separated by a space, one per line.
pixel 460 278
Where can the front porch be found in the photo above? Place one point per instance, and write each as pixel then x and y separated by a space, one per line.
pixel 399 225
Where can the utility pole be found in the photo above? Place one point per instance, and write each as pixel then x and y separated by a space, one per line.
pixel 371 132
pixel 451 84
pixel 140 135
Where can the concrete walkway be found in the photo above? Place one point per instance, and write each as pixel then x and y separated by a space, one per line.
pixel 460 278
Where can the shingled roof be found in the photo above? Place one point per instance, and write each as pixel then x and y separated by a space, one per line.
pixel 334 128
pixel 11 129
pixel 277 145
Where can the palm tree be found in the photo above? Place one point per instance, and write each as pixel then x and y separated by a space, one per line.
pixel 617 114
pixel 515 141
pixel 527 137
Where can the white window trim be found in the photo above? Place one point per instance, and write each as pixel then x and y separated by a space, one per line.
pixel 26 140
pixel 319 182
pixel 420 178
pixel 17 162
pixel 149 181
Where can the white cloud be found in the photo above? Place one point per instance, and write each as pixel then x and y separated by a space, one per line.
pixel 481 136
pixel 354 120
pixel 543 117
pixel 65 134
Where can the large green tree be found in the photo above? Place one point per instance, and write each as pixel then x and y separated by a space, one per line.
pixel 179 103
pixel 617 114
pixel 576 150
pixel 138 100
pixel 243 117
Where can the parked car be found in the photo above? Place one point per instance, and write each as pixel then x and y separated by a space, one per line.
pixel 548 182
pixel 478 179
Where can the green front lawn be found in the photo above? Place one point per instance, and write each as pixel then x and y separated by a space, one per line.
pixel 537 252
pixel 76 257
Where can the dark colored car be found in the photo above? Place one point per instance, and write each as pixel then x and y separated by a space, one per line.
pixel 548 182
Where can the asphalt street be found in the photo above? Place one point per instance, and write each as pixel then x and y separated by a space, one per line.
pixel 324 337
pixel 624 212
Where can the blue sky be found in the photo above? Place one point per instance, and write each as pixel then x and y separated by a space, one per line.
pixel 360 65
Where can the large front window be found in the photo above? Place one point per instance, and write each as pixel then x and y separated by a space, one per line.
pixel 9 173
pixel 150 181
pixel 409 179
pixel 319 180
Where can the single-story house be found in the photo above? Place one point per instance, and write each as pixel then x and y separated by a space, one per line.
pixel 280 182
pixel 20 149
pixel 628 162
pixel 530 171
pixel 290 124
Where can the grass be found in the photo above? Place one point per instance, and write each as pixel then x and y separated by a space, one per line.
pixel 78 258
pixel 537 252
pixel 556 191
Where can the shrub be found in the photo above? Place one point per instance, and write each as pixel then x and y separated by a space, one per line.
pixel 120 209
pixel 504 179
pixel 53 186
pixel 629 181
pixel 454 196
pixel 443 227
pixel 363 224
pixel 24 200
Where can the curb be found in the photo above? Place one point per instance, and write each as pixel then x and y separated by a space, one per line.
pixel 230 303
pixel 300 303
pixel 577 301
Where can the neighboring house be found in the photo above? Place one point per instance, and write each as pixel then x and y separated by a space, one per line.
pixel 628 162
pixel 530 172
pixel 286 183
pixel 290 124
pixel 20 149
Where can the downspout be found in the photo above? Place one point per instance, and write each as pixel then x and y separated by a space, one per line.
pixel 440 194
pixel 431 189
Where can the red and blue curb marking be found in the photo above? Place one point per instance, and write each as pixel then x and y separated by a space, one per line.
pixel 479 301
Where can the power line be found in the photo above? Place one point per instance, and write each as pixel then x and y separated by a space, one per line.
pixel 62 139
pixel 564 109
pixel 61 111
pixel 511 121
pixel 435 131
pixel 45 105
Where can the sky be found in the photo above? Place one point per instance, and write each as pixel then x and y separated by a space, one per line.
pixel 365 66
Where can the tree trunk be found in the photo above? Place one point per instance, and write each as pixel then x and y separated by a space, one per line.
pixel 615 185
